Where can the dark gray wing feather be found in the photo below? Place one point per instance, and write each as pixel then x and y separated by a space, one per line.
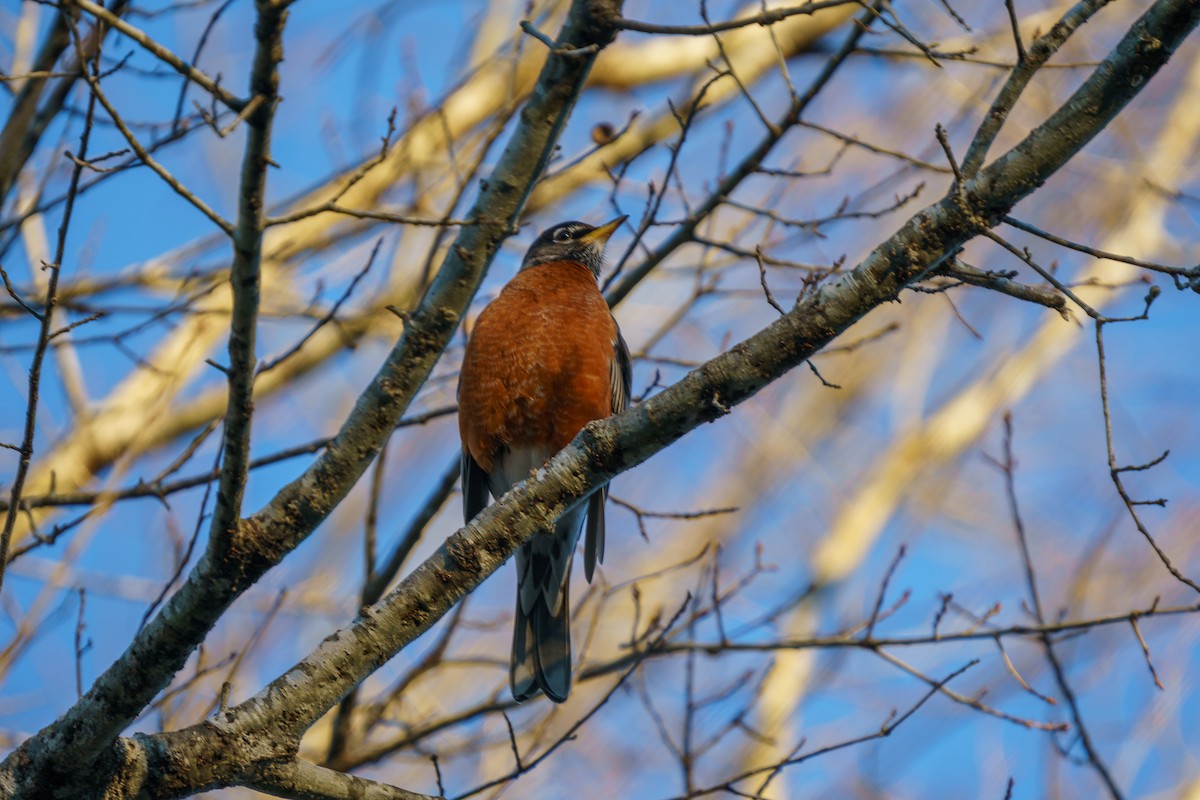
pixel 593 542
pixel 620 380
pixel 474 487
pixel 621 377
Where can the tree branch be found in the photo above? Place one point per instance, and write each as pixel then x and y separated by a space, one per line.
pixel 1020 77
pixel 301 780
pixel 763 19
pixel 245 277
pixel 163 54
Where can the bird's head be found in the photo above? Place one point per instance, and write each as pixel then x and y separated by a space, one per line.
pixel 572 241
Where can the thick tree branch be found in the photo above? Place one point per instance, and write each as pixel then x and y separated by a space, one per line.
pixel 300 780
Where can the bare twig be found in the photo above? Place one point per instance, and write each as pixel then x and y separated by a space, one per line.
pixel 1133 623
pixel 889 725
pixel 45 330
pixel 1115 470
pixel 81 646
pixel 1037 55
pixel 1191 273
pixel 883 585
pixel 764 18
pixel 762 279
pixel 1009 466
pixel 161 53
pixel 1003 282
pixel 329 317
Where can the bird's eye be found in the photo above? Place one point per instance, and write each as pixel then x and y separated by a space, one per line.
pixel 562 235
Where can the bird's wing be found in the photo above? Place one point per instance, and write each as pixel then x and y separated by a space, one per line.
pixel 620 379
pixel 620 374
pixel 474 487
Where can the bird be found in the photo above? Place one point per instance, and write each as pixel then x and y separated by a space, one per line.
pixel 544 358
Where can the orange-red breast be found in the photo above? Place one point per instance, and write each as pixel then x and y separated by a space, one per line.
pixel 544 359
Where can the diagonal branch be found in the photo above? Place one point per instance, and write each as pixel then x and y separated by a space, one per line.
pixel 163 54
pixel 1020 77
pixel 26 121
pixel 302 779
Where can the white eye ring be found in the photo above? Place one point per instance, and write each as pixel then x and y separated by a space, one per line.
pixel 562 235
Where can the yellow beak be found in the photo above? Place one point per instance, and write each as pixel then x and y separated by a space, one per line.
pixel 600 235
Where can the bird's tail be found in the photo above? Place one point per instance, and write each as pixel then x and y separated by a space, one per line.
pixel 541 653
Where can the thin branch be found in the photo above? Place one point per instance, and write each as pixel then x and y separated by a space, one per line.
pixel 889 725
pixel 45 331
pixel 1009 468
pixel 187 79
pixel 1133 623
pixel 1115 471
pixel 144 156
pixel 328 317
pixel 762 279
pixel 1191 273
pixel 244 280
pixel 1002 282
pixel 186 556
pixel 384 575
pixel 1016 31
pixel 1039 53
pixel 161 53
pixel 883 586
pixel 530 764
pixel 16 296
pixel 854 141
pixel 764 18
pixel 160 489
pixel 972 701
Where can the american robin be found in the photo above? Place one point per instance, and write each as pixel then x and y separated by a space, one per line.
pixel 544 359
